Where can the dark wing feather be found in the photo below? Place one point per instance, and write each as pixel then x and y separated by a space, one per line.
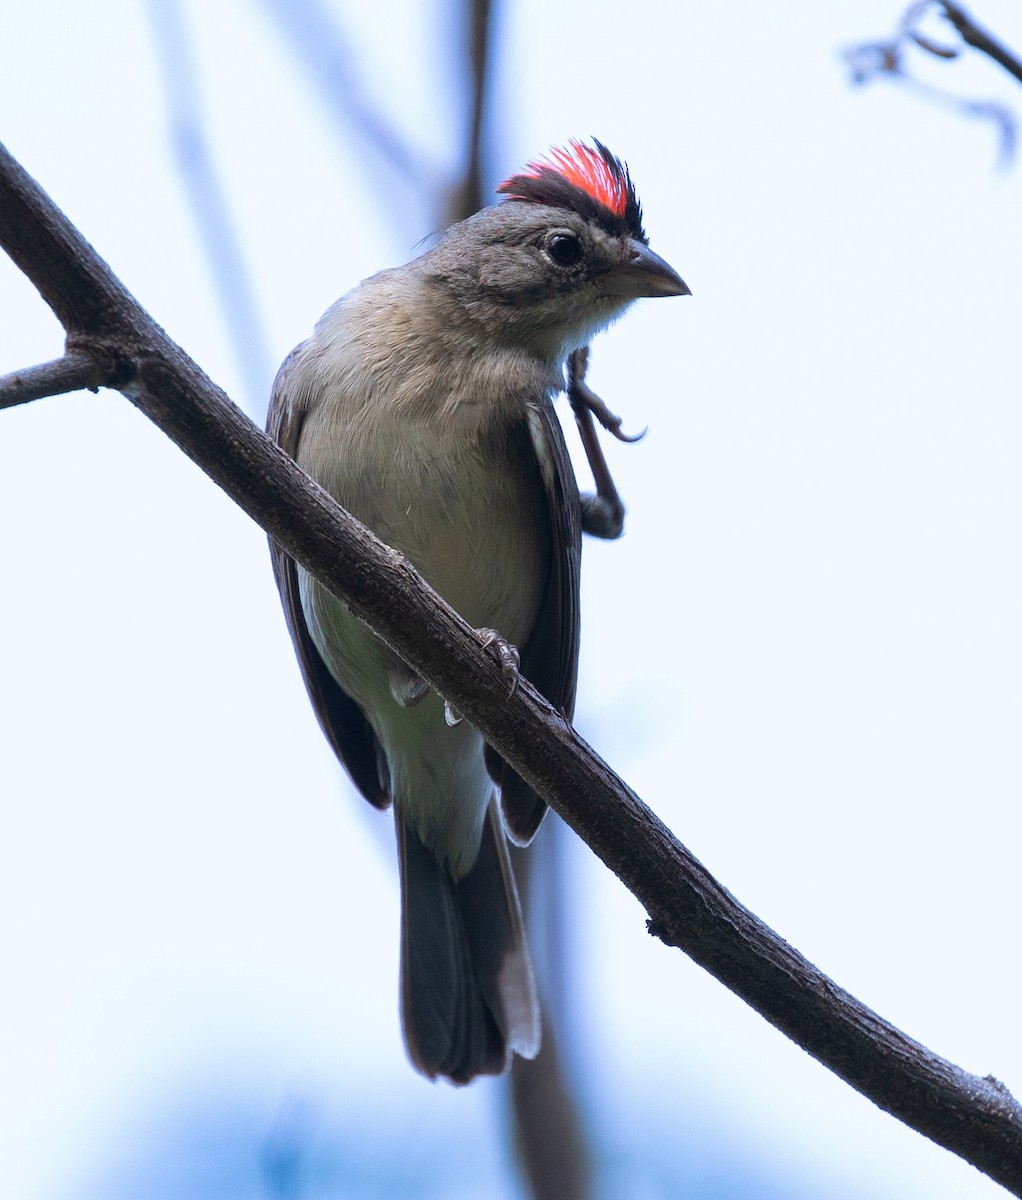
pixel 343 722
pixel 549 659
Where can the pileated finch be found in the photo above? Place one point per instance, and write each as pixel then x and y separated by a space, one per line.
pixel 423 403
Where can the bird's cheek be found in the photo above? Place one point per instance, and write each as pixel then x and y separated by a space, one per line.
pixel 511 276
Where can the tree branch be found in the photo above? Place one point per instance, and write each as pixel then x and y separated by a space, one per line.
pixel 550 1137
pixel 872 59
pixel 976 1118
pixel 466 196
pixel 980 40
pixel 76 370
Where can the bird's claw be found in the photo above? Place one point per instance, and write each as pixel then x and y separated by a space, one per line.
pixel 510 662
pixel 582 396
pixel 507 655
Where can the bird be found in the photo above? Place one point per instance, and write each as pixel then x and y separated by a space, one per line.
pixel 423 402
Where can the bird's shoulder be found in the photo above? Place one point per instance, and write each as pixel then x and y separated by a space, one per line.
pixel 401 346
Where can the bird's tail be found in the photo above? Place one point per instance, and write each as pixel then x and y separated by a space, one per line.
pixel 468 997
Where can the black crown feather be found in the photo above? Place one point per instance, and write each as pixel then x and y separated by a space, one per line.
pixel 591 182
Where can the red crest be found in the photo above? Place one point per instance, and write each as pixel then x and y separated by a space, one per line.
pixel 587 179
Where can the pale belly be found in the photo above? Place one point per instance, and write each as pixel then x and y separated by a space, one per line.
pixel 472 525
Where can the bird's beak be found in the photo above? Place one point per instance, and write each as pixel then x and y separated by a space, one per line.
pixel 643 273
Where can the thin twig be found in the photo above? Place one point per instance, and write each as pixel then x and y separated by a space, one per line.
pixel 68 374
pixel 975 1117
pixel 980 40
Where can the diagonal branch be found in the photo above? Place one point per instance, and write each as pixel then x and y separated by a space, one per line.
pixel 980 40
pixel 975 1117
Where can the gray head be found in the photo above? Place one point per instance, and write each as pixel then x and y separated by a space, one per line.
pixel 558 260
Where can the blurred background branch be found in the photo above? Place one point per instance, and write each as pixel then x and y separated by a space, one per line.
pixel 891 59
pixel 207 196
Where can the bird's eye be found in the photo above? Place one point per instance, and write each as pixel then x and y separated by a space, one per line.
pixel 564 248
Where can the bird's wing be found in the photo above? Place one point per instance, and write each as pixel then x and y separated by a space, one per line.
pixel 549 659
pixel 343 722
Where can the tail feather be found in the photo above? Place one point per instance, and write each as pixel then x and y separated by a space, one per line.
pixel 468 998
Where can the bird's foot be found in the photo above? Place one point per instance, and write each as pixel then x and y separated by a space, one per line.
pixel 509 660
pixel 582 396
pixel 507 655
pixel 603 515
